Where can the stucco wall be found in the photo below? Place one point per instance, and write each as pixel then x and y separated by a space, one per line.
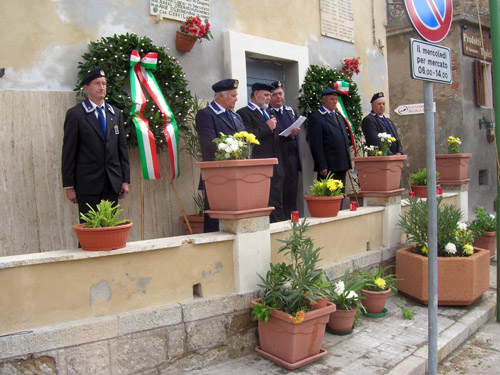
pixel 45 41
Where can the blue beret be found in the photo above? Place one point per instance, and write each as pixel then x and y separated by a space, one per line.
pixel 277 85
pixel 262 86
pixel 225 85
pixel 93 74
pixel 329 92
pixel 377 96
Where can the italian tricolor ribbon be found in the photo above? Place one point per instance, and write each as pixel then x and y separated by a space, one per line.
pixel 140 73
pixel 342 87
pixel 343 113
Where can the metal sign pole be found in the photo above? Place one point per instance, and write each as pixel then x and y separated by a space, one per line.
pixel 432 329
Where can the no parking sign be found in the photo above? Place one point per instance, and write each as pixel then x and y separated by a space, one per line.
pixel 430 18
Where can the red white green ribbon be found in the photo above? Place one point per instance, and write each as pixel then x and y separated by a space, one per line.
pixel 343 112
pixel 342 87
pixel 140 73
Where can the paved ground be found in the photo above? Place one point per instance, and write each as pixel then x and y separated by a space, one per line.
pixel 395 346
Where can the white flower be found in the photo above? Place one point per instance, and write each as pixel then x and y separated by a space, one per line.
pixel 287 285
pixel 450 248
pixel 339 288
pixel 492 216
pixel 352 294
pixel 462 226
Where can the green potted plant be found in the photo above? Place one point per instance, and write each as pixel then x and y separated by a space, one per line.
pixel 325 197
pixel 191 146
pixel 237 187
pixel 345 295
pixel 101 229
pixel 379 172
pixel 418 182
pixel 453 165
pixel 290 330
pixel 463 271
pixel 484 227
pixel 376 286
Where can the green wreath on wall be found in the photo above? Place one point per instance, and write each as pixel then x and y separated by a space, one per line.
pixel 113 54
pixel 319 78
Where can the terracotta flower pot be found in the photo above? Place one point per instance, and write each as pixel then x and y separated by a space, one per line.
pixel 342 320
pixel 487 241
pixel 319 303
pixel 461 280
pixel 374 302
pixel 293 345
pixel 379 173
pixel 184 42
pixel 102 239
pixel 195 221
pixel 238 189
pixel 421 190
pixel 324 206
pixel 452 168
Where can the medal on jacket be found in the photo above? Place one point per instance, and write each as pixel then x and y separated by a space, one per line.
pixel 116 130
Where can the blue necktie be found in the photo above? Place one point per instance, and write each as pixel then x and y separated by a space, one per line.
pixel 102 120
pixel 264 113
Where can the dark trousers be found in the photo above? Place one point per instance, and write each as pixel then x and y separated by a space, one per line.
pixel 209 224
pixel 290 185
pixel 93 200
pixel 276 199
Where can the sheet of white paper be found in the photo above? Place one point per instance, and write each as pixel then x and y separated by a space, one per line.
pixel 295 125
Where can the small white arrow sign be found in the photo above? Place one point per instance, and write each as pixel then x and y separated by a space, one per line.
pixel 412 109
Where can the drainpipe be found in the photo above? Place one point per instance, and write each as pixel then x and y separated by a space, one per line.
pixel 495 42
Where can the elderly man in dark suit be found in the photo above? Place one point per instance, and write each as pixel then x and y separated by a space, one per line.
pixel 286 116
pixel 376 123
pixel 217 118
pixel 258 121
pixel 95 163
pixel 329 140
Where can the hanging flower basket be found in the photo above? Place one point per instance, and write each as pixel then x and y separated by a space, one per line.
pixel 185 43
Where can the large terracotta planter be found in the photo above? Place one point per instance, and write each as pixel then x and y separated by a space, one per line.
pixel 452 168
pixel 461 280
pixel 374 302
pixel 421 190
pixel 238 189
pixel 324 206
pixel 487 241
pixel 183 42
pixel 196 223
pixel 293 345
pixel 102 239
pixel 379 173
pixel 342 320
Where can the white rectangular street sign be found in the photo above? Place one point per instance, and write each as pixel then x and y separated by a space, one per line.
pixel 412 109
pixel 430 62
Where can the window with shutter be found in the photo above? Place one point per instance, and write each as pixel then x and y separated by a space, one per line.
pixel 483 83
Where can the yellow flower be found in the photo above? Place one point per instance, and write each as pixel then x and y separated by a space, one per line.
pixel 380 153
pixel 392 139
pixel 299 317
pixel 424 250
pixel 468 249
pixel 380 283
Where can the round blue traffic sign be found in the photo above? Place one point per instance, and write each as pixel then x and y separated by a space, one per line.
pixel 430 18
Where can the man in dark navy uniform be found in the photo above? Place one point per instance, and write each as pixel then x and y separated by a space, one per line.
pixel 258 121
pixel 217 118
pixel 376 123
pixel 95 163
pixel 286 116
pixel 329 140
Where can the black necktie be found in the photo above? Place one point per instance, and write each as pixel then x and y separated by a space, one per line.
pixel 102 120
pixel 334 115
